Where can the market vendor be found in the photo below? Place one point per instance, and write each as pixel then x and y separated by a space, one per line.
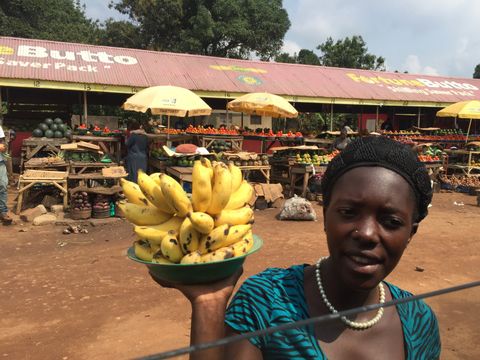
pixel 137 150
pixel 4 218
pixel 342 141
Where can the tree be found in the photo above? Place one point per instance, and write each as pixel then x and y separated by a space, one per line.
pixel 476 74
pixel 226 28
pixel 61 20
pixel 304 56
pixel 349 53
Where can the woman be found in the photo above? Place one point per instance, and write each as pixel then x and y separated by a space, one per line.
pixel 341 142
pixel 137 150
pixel 368 226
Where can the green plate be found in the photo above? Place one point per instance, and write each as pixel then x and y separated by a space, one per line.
pixel 197 273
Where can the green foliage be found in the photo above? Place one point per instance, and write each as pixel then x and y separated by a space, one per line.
pixel 62 20
pixel 476 74
pixel 349 53
pixel 226 28
pixel 304 56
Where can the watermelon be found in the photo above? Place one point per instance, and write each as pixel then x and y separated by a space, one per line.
pixel 43 127
pixel 58 134
pixel 37 133
pixel 67 133
pixel 58 121
pixel 49 134
pixel 63 127
pixel 48 121
pixel 54 127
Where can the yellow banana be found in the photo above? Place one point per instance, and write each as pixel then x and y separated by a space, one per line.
pixel 221 190
pixel 133 193
pixel 235 234
pixel 237 176
pixel 155 234
pixel 158 258
pixel 192 258
pixel 143 215
pixel 214 239
pixel 241 197
pixel 143 250
pixel 170 247
pixel 188 237
pixel 218 255
pixel 175 196
pixel 202 222
pixel 209 166
pixel 153 192
pixel 234 217
pixel 243 246
pixel 155 177
pixel 201 185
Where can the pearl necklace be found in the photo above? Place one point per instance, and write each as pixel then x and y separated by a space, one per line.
pixel 352 324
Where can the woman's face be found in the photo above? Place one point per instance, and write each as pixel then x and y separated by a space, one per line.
pixel 368 222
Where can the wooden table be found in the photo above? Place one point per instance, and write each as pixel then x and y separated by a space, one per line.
pixel 32 146
pixel 42 177
pixel 111 145
pixel 315 141
pixel 236 141
pixel 264 169
pixel 181 173
pixel 81 167
pixel 303 172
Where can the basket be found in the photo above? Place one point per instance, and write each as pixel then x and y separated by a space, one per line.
pixel 102 214
pixel 81 214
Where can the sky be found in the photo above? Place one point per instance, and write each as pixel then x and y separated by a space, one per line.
pixel 430 37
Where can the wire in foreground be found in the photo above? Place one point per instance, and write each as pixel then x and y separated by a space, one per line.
pixel 306 322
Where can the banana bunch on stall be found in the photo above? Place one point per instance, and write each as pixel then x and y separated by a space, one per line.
pixel 214 224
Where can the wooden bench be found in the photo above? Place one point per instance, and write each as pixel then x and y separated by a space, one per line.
pixel 42 177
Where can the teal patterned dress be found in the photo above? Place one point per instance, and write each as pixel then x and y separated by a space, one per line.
pixel 276 296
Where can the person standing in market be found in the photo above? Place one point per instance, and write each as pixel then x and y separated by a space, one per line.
pixel 137 151
pixel 342 141
pixel 4 218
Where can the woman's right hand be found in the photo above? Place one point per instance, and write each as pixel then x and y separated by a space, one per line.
pixel 219 291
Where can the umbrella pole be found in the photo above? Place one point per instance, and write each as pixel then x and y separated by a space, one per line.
pixel 168 128
pixel 468 131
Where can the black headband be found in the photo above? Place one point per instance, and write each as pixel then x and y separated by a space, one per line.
pixel 383 152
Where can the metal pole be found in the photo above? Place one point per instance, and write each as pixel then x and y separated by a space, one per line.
pixel 331 117
pixel 85 112
pixel 376 119
pixel 1 114
pixel 419 114
pixel 468 132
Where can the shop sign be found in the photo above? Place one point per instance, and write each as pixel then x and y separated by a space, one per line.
pixel 38 57
pixel 418 85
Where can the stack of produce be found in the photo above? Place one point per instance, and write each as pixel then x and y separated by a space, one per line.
pixel 101 205
pixel 430 154
pixel 210 130
pixel 52 128
pixel 216 224
pixel 315 159
pixel 460 181
pixel 80 201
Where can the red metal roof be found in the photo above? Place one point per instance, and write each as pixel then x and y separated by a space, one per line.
pixel 40 63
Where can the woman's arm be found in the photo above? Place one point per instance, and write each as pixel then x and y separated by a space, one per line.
pixel 209 304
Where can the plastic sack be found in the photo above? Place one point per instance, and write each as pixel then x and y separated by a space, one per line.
pixel 297 208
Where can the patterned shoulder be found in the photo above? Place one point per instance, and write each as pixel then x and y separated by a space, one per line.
pixel 420 326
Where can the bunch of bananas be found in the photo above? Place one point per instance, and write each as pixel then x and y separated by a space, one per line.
pixel 215 224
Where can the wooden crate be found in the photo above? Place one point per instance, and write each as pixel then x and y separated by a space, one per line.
pixel 44 174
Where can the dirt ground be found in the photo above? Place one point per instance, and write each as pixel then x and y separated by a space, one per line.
pixel 79 297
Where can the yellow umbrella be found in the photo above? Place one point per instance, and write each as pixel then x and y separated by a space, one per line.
pixel 168 100
pixel 463 110
pixel 263 104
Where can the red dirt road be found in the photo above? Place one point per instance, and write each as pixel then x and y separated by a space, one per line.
pixel 79 297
